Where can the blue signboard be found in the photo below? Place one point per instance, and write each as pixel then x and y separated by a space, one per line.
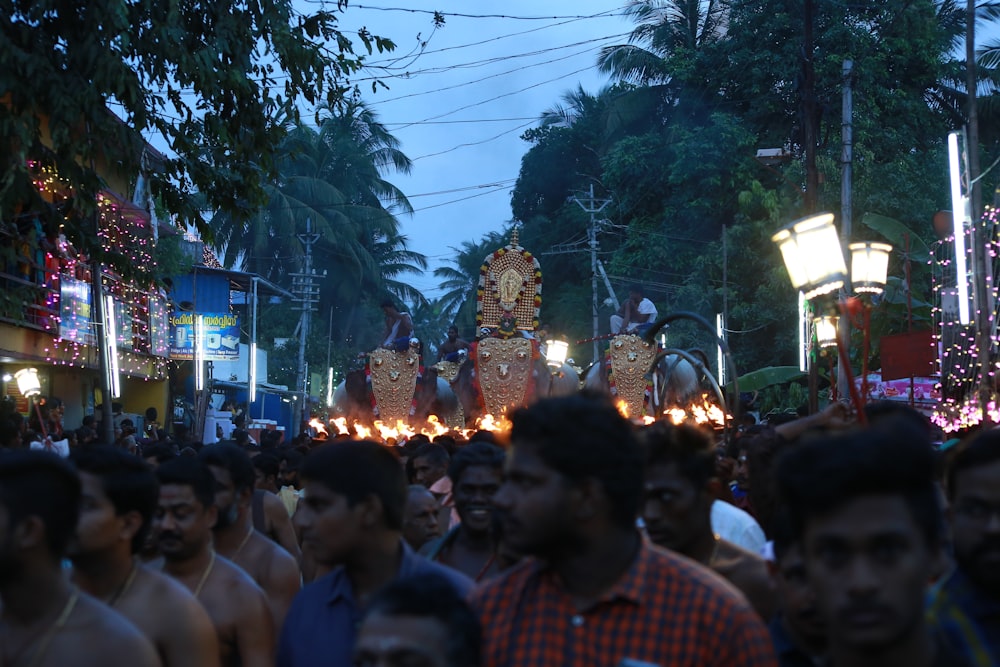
pixel 220 336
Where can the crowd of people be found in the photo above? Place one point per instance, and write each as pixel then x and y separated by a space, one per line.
pixel 579 538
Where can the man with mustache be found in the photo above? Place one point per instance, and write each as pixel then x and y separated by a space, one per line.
pixel 119 496
pixel 679 490
pixel 966 607
pixel 183 525
pixel 865 509
pixel 476 472
pixel 235 538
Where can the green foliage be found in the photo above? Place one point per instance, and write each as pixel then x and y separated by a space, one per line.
pixel 207 77
pixel 709 100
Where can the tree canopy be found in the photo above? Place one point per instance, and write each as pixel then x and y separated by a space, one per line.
pixel 84 83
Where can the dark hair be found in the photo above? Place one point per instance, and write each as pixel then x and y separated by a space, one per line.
pixel 820 476
pixel 359 469
pixel 387 303
pixel 483 435
pixel 88 420
pixel 636 287
pixel 783 537
pixel 240 437
pixel 583 436
pixel 434 453
pixel 879 412
pixel 292 457
pixel 981 450
pixel 189 471
pixel 160 452
pixel 151 414
pixel 233 459
pixel 37 483
pixel 432 596
pixel 10 427
pixel 127 481
pixel 267 463
pixel 688 447
pixel 475 454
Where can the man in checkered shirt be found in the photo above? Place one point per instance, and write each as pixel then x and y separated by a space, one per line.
pixel 597 593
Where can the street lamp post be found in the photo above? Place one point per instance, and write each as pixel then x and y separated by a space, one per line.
pixel 814 258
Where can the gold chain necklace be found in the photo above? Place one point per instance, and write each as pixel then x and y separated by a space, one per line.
pixel 126 585
pixel 715 551
pixel 204 576
pixel 239 549
pixel 43 644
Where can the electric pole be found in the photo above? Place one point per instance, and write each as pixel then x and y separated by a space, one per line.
pixel 306 295
pixel 846 207
pixel 593 206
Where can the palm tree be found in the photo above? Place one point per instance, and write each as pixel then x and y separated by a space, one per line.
pixel 666 30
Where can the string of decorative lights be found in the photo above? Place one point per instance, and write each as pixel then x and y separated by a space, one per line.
pixel 140 308
pixel 961 364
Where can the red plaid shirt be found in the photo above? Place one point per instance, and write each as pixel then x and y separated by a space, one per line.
pixel 665 610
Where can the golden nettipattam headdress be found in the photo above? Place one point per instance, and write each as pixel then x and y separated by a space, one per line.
pixel 510 289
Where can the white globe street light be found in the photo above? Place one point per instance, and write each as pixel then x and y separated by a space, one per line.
pixel 810 248
pixel 869 267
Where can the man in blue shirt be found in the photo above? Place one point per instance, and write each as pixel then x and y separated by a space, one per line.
pixel 965 607
pixel 350 518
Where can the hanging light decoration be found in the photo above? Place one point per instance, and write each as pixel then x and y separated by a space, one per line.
pixel 869 266
pixel 812 254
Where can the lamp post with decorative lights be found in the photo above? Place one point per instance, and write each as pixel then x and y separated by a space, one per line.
pixel 814 258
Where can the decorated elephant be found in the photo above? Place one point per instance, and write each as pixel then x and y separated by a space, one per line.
pixel 358 397
pixel 434 396
pixel 625 374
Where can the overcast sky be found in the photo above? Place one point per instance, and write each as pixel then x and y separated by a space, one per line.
pixel 480 82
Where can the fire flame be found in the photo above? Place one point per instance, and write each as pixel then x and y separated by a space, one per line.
pixel 320 428
pixel 700 412
pixel 401 431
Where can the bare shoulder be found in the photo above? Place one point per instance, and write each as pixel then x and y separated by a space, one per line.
pixel 239 585
pixel 272 503
pixel 97 635
pixel 174 603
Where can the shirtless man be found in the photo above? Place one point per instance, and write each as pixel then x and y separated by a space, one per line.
pixel 47 621
pixel 119 496
pixel 398 327
pixel 677 509
pixel 450 347
pixel 270 517
pixel 269 565
pixel 183 523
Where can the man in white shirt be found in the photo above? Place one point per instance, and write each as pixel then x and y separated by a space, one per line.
pixel 734 525
pixel 635 315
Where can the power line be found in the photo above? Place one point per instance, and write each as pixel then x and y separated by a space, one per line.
pixel 604 14
pixel 473 143
pixel 500 97
pixel 485 78
pixel 455 201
